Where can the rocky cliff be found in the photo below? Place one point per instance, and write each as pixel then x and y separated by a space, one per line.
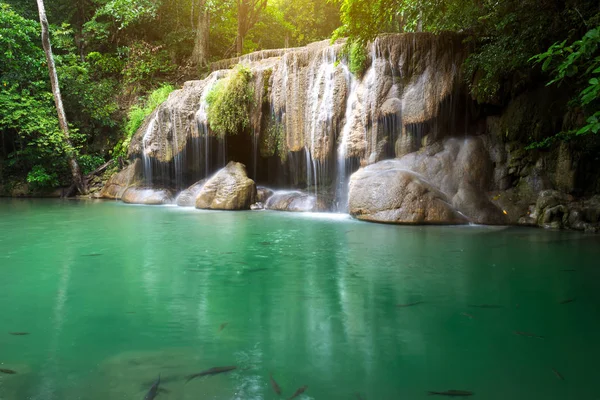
pixel 427 153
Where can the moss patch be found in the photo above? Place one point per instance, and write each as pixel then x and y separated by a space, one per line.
pixel 229 103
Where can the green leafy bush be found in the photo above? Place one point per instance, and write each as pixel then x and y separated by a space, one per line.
pixel 358 58
pixel 578 64
pixel 230 101
pixel 40 178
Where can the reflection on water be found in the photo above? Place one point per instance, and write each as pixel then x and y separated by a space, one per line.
pixel 112 295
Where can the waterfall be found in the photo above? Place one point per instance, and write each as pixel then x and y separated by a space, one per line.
pixel 342 152
pixel 312 122
pixel 203 128
pixel 146 149
pixel 319 116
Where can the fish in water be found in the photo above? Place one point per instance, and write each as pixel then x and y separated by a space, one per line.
pixel 266 243
pixel 153 392
pixel 528 335
pixel 453 393
pixel 568 301
pixel 558 375
pixel 299 392
pixel 7 371
pixel 467 315
pixel 485 306
pixel 19 333
pixel 223 325
pixel 409 304
pixel 212 371
pixel 274 384
pixel 359 397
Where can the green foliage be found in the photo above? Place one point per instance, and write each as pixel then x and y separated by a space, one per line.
pixel 230 101
pixel 578 64
pixel 358 58
pixel 40 178
pixel 89 162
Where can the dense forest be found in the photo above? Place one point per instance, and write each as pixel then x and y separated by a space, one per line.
pixel 118 59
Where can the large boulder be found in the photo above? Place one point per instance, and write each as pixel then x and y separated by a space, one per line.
pixel 229 189
pixel 294 201
pixel 151 197
pixel 385 192
pixel 120 182
pixel 444 183
pixel 187 198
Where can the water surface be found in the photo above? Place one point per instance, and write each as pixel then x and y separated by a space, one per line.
pixel 112 295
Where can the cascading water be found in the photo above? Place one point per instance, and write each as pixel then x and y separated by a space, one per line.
pixel 342 152
pixel 145 156
pixel 320 106
pixel 203 128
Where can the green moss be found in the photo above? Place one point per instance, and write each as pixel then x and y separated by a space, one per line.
pixel 229 103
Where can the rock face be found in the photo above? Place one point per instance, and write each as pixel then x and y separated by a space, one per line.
pixel 295 201
pixel 187 198
pixel 441 184
pixel 229 189
pixel 306 105
pixel 152 197
pixel 120 182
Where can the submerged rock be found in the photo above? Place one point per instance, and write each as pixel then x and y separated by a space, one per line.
pixel 444 183
pixel 187 198
pixel 152 197
pixel 295 201
pixel 229 189
pixel 120 182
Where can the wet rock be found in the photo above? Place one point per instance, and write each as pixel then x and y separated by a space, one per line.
pixel 152 197
pixel 120 182
pixel 228 189
pixel 187 198
pixel 386 192
pixel 257 206
pixel 263 194
pixel 295 201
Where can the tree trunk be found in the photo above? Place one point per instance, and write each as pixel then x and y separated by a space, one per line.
pixel 200 53
pixel 62 118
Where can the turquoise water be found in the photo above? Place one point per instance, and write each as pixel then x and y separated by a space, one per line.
pixel 112 295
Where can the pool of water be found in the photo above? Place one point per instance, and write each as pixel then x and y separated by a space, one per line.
pixel 113 295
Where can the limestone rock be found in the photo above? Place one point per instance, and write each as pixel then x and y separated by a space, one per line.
pixel 152 197
pixel 118 183
pixel 229 189
pixel 295 201
pixel 443 183
pixel 386 192
pixel 187 198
